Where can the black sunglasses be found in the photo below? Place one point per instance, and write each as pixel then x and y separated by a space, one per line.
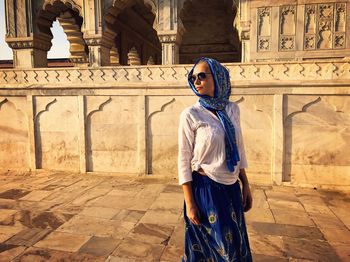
pixel 201 76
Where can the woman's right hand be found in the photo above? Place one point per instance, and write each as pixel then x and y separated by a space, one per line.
pixel 193 214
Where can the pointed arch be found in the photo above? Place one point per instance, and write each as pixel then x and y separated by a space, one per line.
pixel 133 22
pixel 221 40
pixel 70 16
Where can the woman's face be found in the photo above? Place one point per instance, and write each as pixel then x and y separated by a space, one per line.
pixel 204 86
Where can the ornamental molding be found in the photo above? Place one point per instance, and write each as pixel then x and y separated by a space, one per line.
pixel 250 74
pixel 39 41
pixel 167 38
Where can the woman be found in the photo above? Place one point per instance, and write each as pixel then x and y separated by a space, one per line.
pixel 211 160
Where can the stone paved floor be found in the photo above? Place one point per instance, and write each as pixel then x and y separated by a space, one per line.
pixel 66 217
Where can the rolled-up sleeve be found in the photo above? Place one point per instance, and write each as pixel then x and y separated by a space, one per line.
pixel 186 143
pixel 242 155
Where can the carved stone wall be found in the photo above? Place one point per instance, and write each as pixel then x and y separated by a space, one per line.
pixel 299 30
pixel 112 134
pixel 287 28
pixel 317 135
pixel 14 137
pixel 294 117
pixel 56 130
pixel 264 29
pixel 257 123
pixel 325 26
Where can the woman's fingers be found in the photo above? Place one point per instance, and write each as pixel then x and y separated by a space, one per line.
pixel 195 217
pixel 195 221
pixel 249 203
pixel 244 197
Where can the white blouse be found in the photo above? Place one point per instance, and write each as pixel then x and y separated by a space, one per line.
pixel 202 144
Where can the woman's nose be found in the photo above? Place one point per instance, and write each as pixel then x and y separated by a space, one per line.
pixel 197 82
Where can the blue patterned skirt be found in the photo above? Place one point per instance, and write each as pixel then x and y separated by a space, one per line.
pixel 222 234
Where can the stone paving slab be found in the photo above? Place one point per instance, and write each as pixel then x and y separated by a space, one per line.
pixel 56 216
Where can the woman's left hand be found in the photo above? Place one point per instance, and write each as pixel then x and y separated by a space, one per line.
pixel 247 197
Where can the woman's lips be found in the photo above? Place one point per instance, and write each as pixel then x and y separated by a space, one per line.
pixel 199 88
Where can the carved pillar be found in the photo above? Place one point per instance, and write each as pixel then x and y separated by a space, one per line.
pixel 97 36
pixel 278 140
pixel 99 48
pixel 170 49
pixel 114 56
pixel 29 48
pixel 245 39
pixel 171 41
pixel 170 31
pixel 133 57
pixel 150 61
pixel 243 27
pixel 29 52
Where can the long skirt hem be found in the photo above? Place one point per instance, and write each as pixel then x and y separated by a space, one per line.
pixel 222 234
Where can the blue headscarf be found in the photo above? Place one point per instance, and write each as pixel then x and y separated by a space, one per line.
pixel 222 91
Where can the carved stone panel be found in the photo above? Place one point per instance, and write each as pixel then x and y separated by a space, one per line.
pixel 264 43
pixel 340 25
pixel 287 28
pixel 13 133
pixel 325 26
pixel 56 128
pixel 111 133
pixel 264 29
pixel 322 158
pixel 256 113
pixel 162 122
pixel 310 18
pixel 340 17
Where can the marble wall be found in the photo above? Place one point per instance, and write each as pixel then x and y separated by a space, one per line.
pixel 295 119
pixel 317 139
pixel 299 30
pixel 14 138
pixel 56 128
pixel 112 133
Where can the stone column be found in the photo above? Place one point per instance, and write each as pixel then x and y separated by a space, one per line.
pixel 114 54
pixel 29 52
pixel 170 31
pixel 133 57
pixel 171 41
pixel 99 48
pixel 170 49
pixel 31 132
pixel 278 141
pixel 245 39
pixel 244 28
pixel 29 47
pixel 97 36
pixel 82 134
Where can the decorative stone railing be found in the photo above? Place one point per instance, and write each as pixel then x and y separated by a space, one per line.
pixel 257 74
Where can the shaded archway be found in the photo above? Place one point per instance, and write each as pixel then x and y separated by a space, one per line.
pixel 209 31
pixel 137 40
pixel 70 18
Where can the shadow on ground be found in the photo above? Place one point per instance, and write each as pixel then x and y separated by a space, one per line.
pixel 57 216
